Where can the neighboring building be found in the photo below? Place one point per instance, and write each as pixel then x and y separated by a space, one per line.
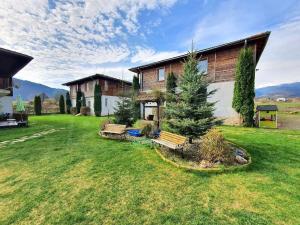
pixel 281 99
pixel 218 63
pixel 111 88
pixel 10 63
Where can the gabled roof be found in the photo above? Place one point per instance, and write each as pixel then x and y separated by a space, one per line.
pixel 266 108
pixel 95 77
pixel 12 62
pixel 261 38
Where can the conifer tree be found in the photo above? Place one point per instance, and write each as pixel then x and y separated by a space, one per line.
pixel 97 100
pixel 78 101
pixel 62 104
pixel 244 90
pixel 171 87
pixel 123 111
pixel 83 99
pixel 37 105
pixel 191 114
pixel 135 104
pixel 68 102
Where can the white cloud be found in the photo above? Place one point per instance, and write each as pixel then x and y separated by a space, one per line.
pixel 147 55
pixel 71 37
pixel 280 62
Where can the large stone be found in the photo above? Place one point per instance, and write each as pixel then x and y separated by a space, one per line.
pixel 240 153
pixel 240 159
pixel 206 164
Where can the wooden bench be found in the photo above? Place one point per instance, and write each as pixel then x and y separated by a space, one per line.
pixel 113 129
pixel 170 140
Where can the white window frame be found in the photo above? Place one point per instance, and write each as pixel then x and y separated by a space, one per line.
pixel 105 85
pixel 203 59
pixel 158 69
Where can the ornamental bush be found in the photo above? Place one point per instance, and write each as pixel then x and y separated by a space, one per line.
pixel 213 147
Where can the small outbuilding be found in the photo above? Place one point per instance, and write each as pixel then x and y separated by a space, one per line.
pixel 266 116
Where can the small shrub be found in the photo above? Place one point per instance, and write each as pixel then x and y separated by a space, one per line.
pixel 84 110
pixel 73 110
pixel 147 130
pixel 213 147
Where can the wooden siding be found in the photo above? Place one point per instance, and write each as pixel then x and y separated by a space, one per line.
pixel 6 83
pixel 114 88
pixel 221 67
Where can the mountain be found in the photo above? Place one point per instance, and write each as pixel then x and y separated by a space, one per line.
pixel 27 89
pixel 290 90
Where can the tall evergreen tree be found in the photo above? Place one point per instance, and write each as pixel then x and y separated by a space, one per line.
pixel 37 105
pixel 171 87
pixel 83 100
pixel 97 100
pixel 191 114
pixel 78 101
pixel 62 104
pixel 123 111
pixel 68 102
pixel 135 104
pixel 244 90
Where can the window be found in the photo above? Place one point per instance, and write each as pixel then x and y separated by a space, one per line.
pixel 106 101
pixel 161 74
pixel 89 104
pixel 105 85
pixel 203 66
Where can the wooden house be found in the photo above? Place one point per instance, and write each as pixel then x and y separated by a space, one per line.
pixel 218 64
pixel 111 89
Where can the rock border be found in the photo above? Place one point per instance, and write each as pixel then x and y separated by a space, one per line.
pixel 208 170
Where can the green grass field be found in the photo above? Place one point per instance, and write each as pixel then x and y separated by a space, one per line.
pixel 75 177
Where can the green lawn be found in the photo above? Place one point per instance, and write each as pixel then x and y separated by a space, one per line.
pixel 73 176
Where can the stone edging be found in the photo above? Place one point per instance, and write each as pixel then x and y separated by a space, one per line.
pixel 207 170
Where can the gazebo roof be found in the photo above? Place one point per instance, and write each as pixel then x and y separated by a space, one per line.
pixel 146 97
pixel 266 108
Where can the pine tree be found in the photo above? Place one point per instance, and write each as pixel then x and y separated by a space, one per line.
pixel 191 114
pixel 97 100
pixel 78 101
pixel 123 111
pixel 171 87
pixel 83 100
pixel 62 104
pixel 68 102
pixel 136 109
pixel 244 91
pixel 37 105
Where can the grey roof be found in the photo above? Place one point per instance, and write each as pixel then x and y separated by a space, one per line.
pixel 262 36
pixel 95 77
pixel 266 108
pixel 12 62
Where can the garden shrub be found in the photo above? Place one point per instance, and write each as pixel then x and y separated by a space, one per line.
pixel 73 110
pixel 84 110
pixel 214 147
pixel 147 130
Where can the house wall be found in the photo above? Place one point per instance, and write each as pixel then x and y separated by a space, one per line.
pixel 110 94
pixel 221 72
pixel 6 104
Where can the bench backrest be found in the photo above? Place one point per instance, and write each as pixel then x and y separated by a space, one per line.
pixel 174 138
pixel 114 127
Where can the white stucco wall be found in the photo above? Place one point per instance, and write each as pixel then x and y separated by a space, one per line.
pixel 6 104
pixel 223 97
pixel 111 104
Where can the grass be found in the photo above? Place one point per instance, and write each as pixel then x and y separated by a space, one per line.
pixel 74 177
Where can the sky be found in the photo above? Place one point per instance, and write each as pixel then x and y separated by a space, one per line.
pixel 71 39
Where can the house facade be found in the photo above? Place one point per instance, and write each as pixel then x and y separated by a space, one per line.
pixel 217 63
pixel 111 89
pixel 10 63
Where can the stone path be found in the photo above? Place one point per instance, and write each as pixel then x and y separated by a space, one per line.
pixel 25 138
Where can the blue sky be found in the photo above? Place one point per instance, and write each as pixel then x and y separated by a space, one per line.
pixel 73 39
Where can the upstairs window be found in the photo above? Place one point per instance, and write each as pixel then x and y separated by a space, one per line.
pixel 161 74
pixel 105 85
pixel 203 66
